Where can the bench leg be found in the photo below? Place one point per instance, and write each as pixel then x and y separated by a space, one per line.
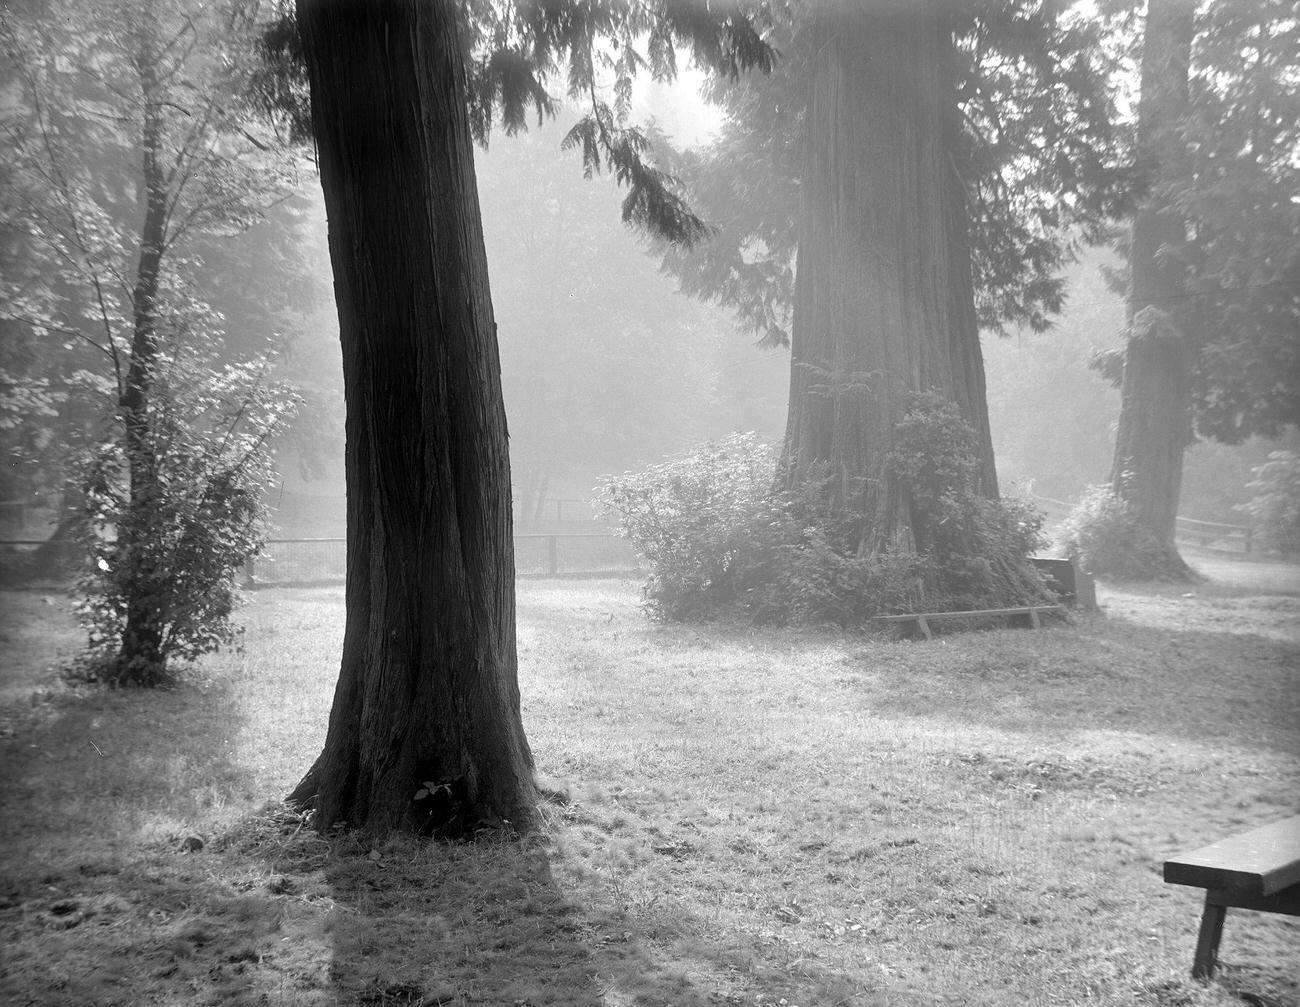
pixel 1207 942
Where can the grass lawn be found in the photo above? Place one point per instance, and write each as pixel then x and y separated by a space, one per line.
pixel 761 817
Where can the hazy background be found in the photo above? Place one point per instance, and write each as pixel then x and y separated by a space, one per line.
pixel 606 367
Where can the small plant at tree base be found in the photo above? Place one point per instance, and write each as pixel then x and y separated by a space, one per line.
pixel 1104 538
pixel 810 570
pixel 1275 508
pixel 164 557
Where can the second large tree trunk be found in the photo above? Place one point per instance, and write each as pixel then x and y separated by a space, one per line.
pixel 1155 425
pixel 427 692
pixel 883 302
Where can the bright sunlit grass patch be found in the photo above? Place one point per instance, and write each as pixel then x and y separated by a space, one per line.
pixel 751 815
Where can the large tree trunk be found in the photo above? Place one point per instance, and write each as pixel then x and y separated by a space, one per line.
pixel 427 692
pixel 1155 424
pixel 883 295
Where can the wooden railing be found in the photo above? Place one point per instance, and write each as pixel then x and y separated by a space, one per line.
pixel 1213 535
pixel 595 553
pixel 324 560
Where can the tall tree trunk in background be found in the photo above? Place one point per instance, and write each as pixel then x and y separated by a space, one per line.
pixel 883 293
pixel 428 691
pixel 1155 420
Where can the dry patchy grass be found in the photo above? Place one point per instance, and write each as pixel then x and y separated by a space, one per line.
pixel 752 817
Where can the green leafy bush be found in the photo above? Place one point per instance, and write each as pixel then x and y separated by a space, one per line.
pixel 1275 508
pixel 1104 538
pixel 718 536
pixel 178 548
pixel 692 518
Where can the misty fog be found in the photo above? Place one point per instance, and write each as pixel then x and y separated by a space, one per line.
pixel 606 366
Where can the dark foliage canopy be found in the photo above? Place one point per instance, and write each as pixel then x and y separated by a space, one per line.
pixel 1240 197
pixel 1031 138
pixel 515 52
pixel 1236 190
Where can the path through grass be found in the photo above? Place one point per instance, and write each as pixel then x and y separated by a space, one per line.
pixel 753 816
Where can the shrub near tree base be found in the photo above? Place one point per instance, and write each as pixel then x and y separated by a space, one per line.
pixel 1105 539
pixel 177 550
pixel 701 522
pixel 719 539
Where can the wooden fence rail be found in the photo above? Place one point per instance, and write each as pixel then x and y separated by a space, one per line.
pixel 324 559
pixel 553 554
pixel 1216 536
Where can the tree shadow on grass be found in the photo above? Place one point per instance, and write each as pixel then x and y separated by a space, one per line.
pixel 489 923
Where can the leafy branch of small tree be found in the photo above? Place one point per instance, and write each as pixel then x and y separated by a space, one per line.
pixel 133 145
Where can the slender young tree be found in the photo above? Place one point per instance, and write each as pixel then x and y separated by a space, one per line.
pixel 130 145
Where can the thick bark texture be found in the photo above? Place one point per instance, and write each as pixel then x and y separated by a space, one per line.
pixel 1155 421
pixel 883 293
pixel 427 692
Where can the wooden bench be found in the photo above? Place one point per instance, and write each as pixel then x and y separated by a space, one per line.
pixel 1257 870
pixel 1026 616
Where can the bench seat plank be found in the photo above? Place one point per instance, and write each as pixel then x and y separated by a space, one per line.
pixel 1254 864
pixel 973 614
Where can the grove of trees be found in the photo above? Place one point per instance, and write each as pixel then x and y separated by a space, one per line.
pixel 1042 162
pixel 890 178
pixel 929 168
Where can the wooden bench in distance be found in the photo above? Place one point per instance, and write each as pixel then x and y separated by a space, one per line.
pixel 1025 616
pixel 1257 870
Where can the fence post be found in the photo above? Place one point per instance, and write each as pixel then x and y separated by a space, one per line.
pixel 552 556
pixel 1246 545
